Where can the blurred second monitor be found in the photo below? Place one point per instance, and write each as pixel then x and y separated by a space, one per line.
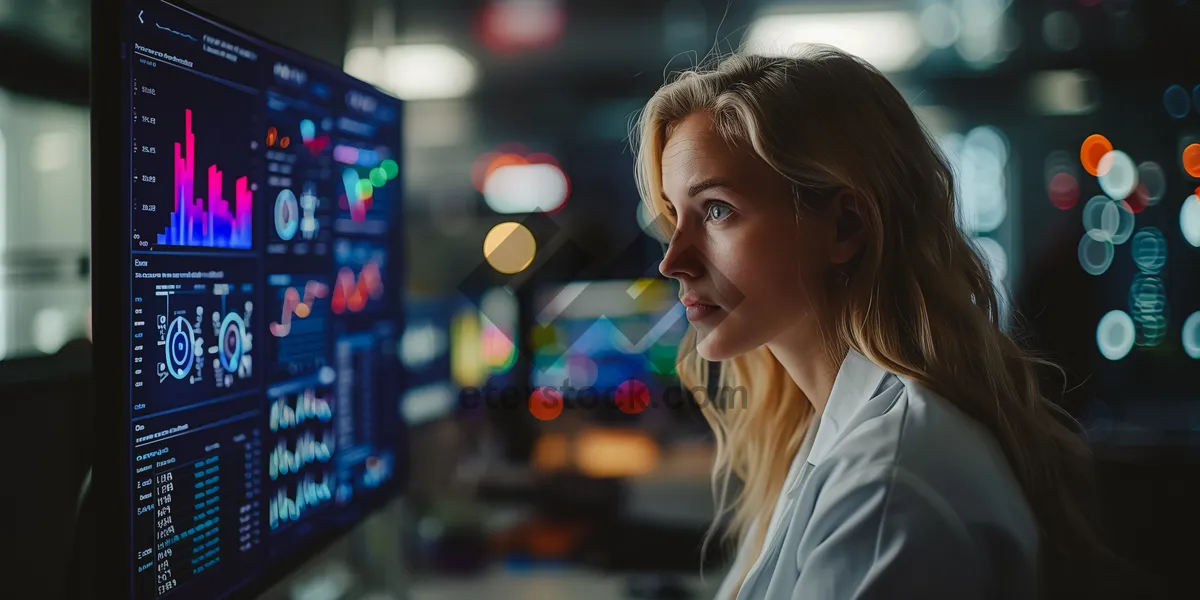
pixel 610 347
pixel 455 341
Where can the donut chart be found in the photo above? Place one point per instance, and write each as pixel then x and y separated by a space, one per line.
pixel 287 215
pixel 229 342
pixel 180 341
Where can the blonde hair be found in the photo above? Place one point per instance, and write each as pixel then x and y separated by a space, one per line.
pixel 918 300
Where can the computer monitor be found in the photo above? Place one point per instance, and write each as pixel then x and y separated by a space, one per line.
pixel 598 343
pixel 247 267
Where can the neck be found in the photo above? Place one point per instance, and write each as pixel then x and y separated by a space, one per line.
pixel 808 365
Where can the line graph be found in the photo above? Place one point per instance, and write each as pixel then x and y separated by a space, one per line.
pixel 293 305
pixel 178 33
pixel 352 291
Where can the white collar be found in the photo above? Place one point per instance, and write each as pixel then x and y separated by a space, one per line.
pixel 856 383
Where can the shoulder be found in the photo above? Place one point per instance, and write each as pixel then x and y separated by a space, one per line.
pixel 924 459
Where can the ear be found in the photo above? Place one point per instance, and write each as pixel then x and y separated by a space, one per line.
pixel 850 230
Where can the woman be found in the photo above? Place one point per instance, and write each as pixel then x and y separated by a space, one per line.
pixel 894 443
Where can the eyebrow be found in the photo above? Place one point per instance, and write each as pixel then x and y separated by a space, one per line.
pixel 702 186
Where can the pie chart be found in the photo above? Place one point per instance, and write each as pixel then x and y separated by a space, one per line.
pixel 287 215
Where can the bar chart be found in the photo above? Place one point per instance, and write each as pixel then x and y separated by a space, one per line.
pixel 206 221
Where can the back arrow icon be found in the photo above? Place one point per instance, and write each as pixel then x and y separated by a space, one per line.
pixel 140 17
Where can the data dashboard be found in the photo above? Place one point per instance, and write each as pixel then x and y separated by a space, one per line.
pixel 263 194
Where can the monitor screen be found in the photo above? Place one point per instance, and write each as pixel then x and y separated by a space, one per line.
pixel 261 194
pixel 597 341
pixel 455 348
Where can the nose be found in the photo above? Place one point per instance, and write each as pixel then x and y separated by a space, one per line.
pixel 682 260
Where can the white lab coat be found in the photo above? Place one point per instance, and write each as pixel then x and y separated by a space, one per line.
pixel 895 493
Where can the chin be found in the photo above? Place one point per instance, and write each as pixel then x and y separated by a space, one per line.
pixel 713 346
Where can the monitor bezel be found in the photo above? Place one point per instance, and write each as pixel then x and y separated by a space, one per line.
pixel 110 247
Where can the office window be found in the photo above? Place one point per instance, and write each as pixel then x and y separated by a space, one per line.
pixel 44 224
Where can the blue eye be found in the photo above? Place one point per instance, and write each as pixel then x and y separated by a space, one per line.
pixel 717 211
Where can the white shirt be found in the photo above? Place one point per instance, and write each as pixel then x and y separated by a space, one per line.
pixel 895 493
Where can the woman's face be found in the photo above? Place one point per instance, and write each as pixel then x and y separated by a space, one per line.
pixel 749 270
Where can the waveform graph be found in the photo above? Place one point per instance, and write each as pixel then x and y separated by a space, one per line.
pixel 307 406
pixel 300 334
pixel 292 453
pixel 359 284
pixel 299 498
pixel 215 212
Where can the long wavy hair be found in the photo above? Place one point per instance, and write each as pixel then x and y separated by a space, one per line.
pixel 918 300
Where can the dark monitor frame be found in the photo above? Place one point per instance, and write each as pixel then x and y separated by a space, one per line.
pixel 111 281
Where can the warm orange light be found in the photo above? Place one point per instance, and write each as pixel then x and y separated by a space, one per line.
pixel 284 142
pixel 1191 160
pixel 1094 148
pixel 551 453
pixel 606 452
pixel 272 134
pixel 546 404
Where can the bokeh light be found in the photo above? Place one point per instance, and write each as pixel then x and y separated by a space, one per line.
pixel 1191 335
pixel 939 25
pixel 378 177
pixel 1118 174
pixel 1095 256
pixel 1138 200
pixel 1189 220
pixel 1094 148
pixel 1062 180
pixel 647 222
pixel 1191 160
pixel 581 370
pixel 632 397
pixel 1115 335
pixel 509 247
pixel 1176 101
pixel 1064 191
pixel 1149 250
pixel 994 255
pixel 982 179
pixel 1125 222
pixel 1107 220
pixel 1060 31
pixel 1148 308
pixel 546 403
pixel 390 168
pixel 1151 175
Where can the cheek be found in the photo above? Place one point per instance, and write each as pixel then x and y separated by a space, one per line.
pixel 774 268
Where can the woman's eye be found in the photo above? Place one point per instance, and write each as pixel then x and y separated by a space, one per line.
pixel 717 211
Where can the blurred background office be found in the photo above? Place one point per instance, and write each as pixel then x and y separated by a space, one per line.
pixel 1074 126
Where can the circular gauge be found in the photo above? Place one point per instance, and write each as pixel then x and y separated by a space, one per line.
pixel 181 341
pixel 230 342
pixel 287 215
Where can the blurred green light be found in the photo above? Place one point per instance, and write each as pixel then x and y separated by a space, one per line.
pixel 378 177
pixel 365 189
pixel 390 168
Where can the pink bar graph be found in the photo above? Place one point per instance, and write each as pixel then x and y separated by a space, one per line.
pixel 201 222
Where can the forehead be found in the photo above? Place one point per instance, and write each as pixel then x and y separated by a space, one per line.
pixel 696 151
pixel 695 145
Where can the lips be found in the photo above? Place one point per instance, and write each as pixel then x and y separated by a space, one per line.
pixel 699 308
